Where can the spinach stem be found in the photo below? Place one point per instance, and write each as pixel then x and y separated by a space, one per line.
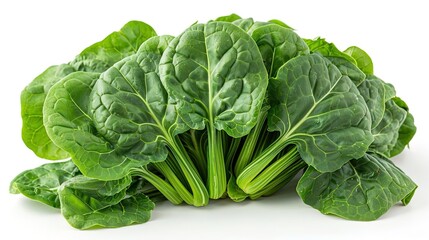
pixel 164 187
pixel 248 148
pixel 190 172
pixel 216 180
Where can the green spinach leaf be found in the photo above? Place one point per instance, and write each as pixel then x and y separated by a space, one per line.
pixel 96 58
pixel 89 203
pixel 42 183
pixel 216 75
pixel 363 189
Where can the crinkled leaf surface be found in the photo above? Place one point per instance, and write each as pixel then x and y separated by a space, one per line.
pixel 32 99
pixel 386 133
pixel 327 49
pixel 387 117
pixel 42 183
pixel 278 45
pixel 96 58
pixel 363 189
pixel 321 111
pixel 406 131
pixel 130 106
pixel 216 74
pixel 345 63
pixel 88 203
pixel 114 131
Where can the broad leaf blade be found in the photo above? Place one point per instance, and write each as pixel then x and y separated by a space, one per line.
pixel 96 58
pixel 70 125
pixel 345 63
pixel 32 98
pixel 118 45
pixel 321 111
pixel 41 183
pixel 89 203
pixel 277 46
pixel 363 189
pixel 217 80
pixel 327 49
pixel 386 133
pixel 131 108
pixel 406 131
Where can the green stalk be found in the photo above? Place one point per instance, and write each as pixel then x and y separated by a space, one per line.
pixel 216 180
pixel 271 172
pixel 234 144
pixel 200 158
pixel 164 187
pixel 252 138
pixel 165 169
pixel 174 166
pixel 199 191
pixel 259 163
pixel 281 180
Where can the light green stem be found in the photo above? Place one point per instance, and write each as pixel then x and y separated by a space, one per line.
pixel 165 169
pixel 200 159
pixel 259 163
pixel 199 191
pixel 271 172
pixel 165 188
pixel 252 138
pixel 216 180
pixel 281 180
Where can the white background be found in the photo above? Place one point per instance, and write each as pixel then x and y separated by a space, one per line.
pixel 37 34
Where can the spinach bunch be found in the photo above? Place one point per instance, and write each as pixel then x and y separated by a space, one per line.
pixel 231 108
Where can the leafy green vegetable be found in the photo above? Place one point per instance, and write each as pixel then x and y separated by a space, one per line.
pixel 345 63
pixel 320 110
pixel 216 75
pixel 406 131
pixel 231 108
pixel 41 183
pixel 89 203
pixel 363 189
pixel 32 99
pixel 96 58
pixel 228 18
pixel 363 60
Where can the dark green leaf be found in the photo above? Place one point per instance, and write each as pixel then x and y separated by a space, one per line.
pixel 88 203
pixel 41 183
pixel 277 46
pixel 96 58
pixel 363 189
pixel 346 64
pixel 215 73
pixel 386 133
pixel 69 124
pixel 321 111
pixel 387 117
pixel 327 49
pixel 406 131
pixel 347 68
